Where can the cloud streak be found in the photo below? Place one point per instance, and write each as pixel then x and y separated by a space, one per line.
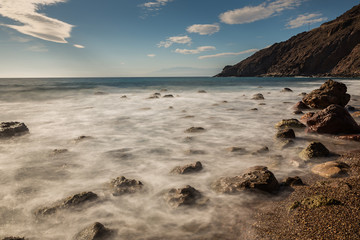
pixel 155 5
pixel 33 23
pixel 195 51
pixel 251 14
pixel 228 54
pixel 305 19
pixel 176 39
pixel 203 29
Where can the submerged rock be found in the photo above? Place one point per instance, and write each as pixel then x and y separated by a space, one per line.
pixel 190 168
pixel 12 129
pixel 262 150
pixel 297 112
pixel 122 185
pixel 314 150
pixel 168 96
pixel 187 196
pixel 95 231
pixel 195 152
pixel 285 133
pixel 331 169
pixel 258 96
pixel 82 138
pixel 238 150
pixel 314 202
pixel 290 123
pixel 195 130
pixel 286 90
pixel 13 238
pixel 255 178
pixel 353 137
pixel 331 92
pixel 201 91
pixel 332 120
pixel 306 116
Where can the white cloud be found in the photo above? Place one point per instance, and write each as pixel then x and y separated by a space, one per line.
pixel 32 23
pixel 155 5
pixel 250 14
pixel 176 39
pixel 78 46
pixel 305 19
pixel 151 55
pixel 195 51
pixel 228 54
pixel 203 29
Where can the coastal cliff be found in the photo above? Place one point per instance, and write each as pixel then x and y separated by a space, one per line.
pixel 333 49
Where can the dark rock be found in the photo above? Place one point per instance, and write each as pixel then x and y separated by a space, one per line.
pixel 122 185
pixel 190 168
pixel 201 91
pixel 12 129
pixel 238 150
pixel 300 106
pixel 59 151
pixel 123 96
pixel 157 94
pixel 286 90
pixel 195 130
pixel 333 120
pixel 350 108
pixel 258 96
pixel 187 196
pixel 168 96
pixel 254 109
pixel 285 133
pixel 353 137
pixel 82 138
pixel 262 104
pixel 314 150
pixel 331 169
pixel 314 202
pixel 95 231
pixel 13 238
pixel 70 202
pixel 255 178
pixel 290 123
pixel 262 150
pixel 303 94
pixel 297 112
pixel 195 152
pixel 293 181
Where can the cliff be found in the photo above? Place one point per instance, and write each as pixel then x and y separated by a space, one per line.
pixel 333 49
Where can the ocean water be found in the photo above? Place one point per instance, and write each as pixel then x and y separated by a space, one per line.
pixel 143 139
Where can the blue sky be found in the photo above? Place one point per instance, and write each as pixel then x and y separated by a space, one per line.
pixel 120 38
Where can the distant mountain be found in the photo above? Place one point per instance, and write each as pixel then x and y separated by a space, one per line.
pixel 333 49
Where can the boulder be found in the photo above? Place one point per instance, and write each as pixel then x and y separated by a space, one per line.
pixel 290 123
pixel 332 120
pixel 300 106
pixel 286 90
pixel 12 129
pixel 122 185
pixel 314 150
pixel 195 130
pixel 315 202
pixel 331 169
pixel 95 231
pixel 293 181
pixel 285 133
pixel 190 168
pixel 258 96
pixel 187 196
pixel 255 178
pixel 331 92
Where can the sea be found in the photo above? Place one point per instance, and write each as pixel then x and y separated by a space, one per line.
pixel 130 133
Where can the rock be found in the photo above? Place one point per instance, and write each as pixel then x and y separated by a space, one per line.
pixel 153 97
pixel 297 112
pixel 122 185
pixel 81 138
pixel 195 152
pixel 353 137
pixel 201 91
pixel 285 143
pixel 293 181
pixel 95 231
pixel 59 151
pixel 195 130
pixel 262 104
pixel 100 93
pixel 157 94
pixel 69 202
pixel 190 168
pixel 258 96
pixel 262 150
pixel 123 96
pixel 314 202
pixel 187 196
pixel 290 123
pixel 306 116
pixel 254 109
pixel 314 150
pixel 13 238
pixel 238 150
pixel 168 96
pixel 12 129
pixel 331 169
pixel 356 114
pixel 300 106
pixel 286 90
pixel 163 90
pixel 255 178
pixel 331 92
pixel 302 94
pixel 350 108
pixel 332 120
pixel 285 133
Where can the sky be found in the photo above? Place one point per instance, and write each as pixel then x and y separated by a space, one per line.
pixel 137 38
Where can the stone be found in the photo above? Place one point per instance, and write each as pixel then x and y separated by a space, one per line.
pixel 195 152
pixel 262 150
pixel 95 231
pixel 297 112
pixel 255 178
pixel 286 90
pixel 254 109
pixel 238 150
pixel 350 108
pixel 153 97
pixel 100 93
pixel 123 96
pixel 333 120
pixel 300 106
pixel 285 133
pixel 13 238
pixel 331 92
pixel 315 202
pixel 314 150
pixel 352 137
pixel 258 96
pixel 187 196
pixel 290 123
pixel 306 116
pixel 190 168
pixel 285 143
pixel 201 91
pixel 12 129
pixel 70 202
pixel 157 94
pixel 293 181
pixel 81 138
pixel 195 130
pixel 122 185
pixel 168 96
pixel 331 169
pixel 59 151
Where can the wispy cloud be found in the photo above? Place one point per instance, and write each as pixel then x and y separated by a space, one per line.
pixel 151 55
pixel 265 10
pixel 305 19
pixel 38 48
pixel 78 46
pixel 195 51
pixel 155 5
pixel 203 29
pixel 176 39
pixel 228 54
pixel 32 22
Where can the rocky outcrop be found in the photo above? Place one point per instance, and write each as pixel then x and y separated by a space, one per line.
pixel 122 185
pixel 331 92
pixel 187 196
pixel 332 120
pixel 331 49
pixel 255 178
pixel 95 231
pixel 12 129
pixel 331 169
pixel 314 150
pixel 190 168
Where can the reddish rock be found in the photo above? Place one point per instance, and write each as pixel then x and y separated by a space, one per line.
pixel 332 120
pixel 300 106
pixel 353 137
pixel 306 116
